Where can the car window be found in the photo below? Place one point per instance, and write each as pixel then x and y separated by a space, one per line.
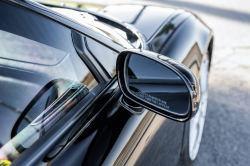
pixel 103 54
pixel 41 77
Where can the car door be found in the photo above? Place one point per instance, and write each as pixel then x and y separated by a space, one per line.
pixel 147 138
pixel 95 129
pixel 113 135
pixel 116 135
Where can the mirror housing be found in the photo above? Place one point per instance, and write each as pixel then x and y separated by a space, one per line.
pixel 158 83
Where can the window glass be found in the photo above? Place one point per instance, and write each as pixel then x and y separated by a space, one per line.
pixel 104 55
pixel 41 77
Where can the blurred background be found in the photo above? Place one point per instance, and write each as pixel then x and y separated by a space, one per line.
pixel 226 134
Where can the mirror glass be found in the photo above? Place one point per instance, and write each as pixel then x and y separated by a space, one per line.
pixel 157 84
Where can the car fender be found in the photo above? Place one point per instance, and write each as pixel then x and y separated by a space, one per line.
pixel 188 43
pixel 175 33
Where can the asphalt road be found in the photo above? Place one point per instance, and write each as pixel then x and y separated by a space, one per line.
pixel 226 137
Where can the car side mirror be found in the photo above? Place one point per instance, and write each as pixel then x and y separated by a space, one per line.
pixel 158 83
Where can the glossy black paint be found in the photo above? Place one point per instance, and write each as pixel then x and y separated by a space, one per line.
pixel 194 37
pixel 132 34
pixel 99 131
pixel 161 16
pixel 179 29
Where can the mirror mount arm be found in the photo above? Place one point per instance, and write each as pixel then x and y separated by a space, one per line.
pixel 131 107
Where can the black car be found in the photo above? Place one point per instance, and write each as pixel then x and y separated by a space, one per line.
pixel 125 86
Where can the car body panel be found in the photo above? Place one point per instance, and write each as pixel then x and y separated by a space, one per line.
pixel 98 130
pixel 199 32
pixel 178 29
pixel 140 20
pixel 192 37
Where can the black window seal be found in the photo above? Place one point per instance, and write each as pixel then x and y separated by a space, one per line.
pixel 97 70
pixel 99 63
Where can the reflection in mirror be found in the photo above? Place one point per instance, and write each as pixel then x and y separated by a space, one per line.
pixel 157 84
